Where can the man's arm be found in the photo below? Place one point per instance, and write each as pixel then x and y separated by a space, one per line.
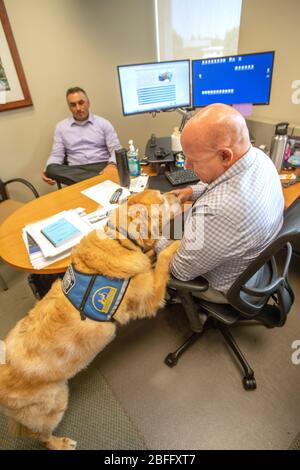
pixel 58 152
pixel 112 142
pixel 207 241
pixel 57 155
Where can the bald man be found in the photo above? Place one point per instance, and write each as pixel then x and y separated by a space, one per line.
pixel 237 205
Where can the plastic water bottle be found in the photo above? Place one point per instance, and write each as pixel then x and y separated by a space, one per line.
pixel 175 141
pixel 133 160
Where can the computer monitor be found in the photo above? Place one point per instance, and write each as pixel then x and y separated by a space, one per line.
pixel 237 79
pixel 152 87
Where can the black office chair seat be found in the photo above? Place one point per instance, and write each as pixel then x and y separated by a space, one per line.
pixel 261 293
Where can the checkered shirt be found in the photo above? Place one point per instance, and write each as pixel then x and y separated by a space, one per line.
pixel 233 219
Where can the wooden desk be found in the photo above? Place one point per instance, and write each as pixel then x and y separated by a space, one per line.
pixel 12 248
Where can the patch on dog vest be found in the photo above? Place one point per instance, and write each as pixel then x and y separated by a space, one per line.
pixel 95 296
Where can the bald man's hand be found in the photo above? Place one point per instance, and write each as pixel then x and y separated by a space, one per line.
pixel 184 194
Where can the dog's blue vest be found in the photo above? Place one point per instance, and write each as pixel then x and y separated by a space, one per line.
pixel 96 297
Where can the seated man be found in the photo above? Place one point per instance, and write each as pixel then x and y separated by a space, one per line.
pixel 86 141
pixel 237 205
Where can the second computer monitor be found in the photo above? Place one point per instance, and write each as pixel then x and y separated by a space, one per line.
pixel 154 86
pixel 243 78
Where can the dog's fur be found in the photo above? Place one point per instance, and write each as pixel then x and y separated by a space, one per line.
pixel 52 344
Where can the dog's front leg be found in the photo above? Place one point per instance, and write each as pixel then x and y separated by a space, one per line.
pixel 161 275
pixel 53 442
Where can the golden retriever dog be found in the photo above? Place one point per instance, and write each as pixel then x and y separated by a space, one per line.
pixel 53 343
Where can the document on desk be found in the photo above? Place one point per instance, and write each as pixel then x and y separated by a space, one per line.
pixel 137 185
pixel 35 254
pixel 102 192
pixel 47 248
pixel 98 218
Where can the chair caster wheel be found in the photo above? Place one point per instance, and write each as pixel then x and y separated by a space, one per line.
pixel 171 360
pixel 249 383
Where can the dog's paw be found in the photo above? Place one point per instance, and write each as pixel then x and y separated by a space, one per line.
pixel 69 444
pixel 61 443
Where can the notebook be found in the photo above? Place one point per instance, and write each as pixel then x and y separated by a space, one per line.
pixel 60 232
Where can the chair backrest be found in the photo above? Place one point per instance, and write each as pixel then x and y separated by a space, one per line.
pixel 3 193
pixel 251 298
pixel 3 185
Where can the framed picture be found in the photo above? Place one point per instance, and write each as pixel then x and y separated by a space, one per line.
pixel 292 153
pixel 14 92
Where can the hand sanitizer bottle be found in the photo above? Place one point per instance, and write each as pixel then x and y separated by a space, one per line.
pixel 133 160
pixel 175 141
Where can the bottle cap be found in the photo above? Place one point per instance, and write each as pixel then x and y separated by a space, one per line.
pixel 131 146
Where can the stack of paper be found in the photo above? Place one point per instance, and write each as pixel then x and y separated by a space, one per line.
pixel 102 192
pixel 50 240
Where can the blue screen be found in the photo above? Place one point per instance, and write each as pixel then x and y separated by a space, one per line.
pixel 233 80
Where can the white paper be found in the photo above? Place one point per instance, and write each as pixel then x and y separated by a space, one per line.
pixel 99 217
pixel 46 247
pixel 102 192
pixel 38 261
pixel 137 185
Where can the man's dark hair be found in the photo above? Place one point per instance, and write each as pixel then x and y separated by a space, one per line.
pixel 75 89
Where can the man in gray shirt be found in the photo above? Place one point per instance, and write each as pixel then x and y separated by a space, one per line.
pixel 83 144
pixel 237 206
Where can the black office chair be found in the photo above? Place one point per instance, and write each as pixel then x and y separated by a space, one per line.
pixel 9 205
pixel 267 303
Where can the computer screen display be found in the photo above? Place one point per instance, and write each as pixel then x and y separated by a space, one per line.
pixel 155 86
pixel 243 78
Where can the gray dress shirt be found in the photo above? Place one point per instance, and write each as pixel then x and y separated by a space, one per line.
pixel 233 219
pixel 91 142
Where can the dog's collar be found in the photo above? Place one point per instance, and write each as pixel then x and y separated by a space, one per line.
pixel 95 296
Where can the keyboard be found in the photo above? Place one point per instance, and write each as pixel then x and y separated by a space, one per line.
pixel 178 177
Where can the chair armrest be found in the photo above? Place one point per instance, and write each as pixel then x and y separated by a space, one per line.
pixel 21 180
pixel 267 290
pixel 197 285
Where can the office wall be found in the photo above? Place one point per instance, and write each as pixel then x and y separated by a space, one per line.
pixel 63 43
pixel 274 25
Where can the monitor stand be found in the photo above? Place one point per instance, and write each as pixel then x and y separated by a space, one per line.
pixel 186 115
pixel 159 153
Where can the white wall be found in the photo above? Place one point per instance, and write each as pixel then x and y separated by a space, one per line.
pixel 274 25
pixel 64 43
